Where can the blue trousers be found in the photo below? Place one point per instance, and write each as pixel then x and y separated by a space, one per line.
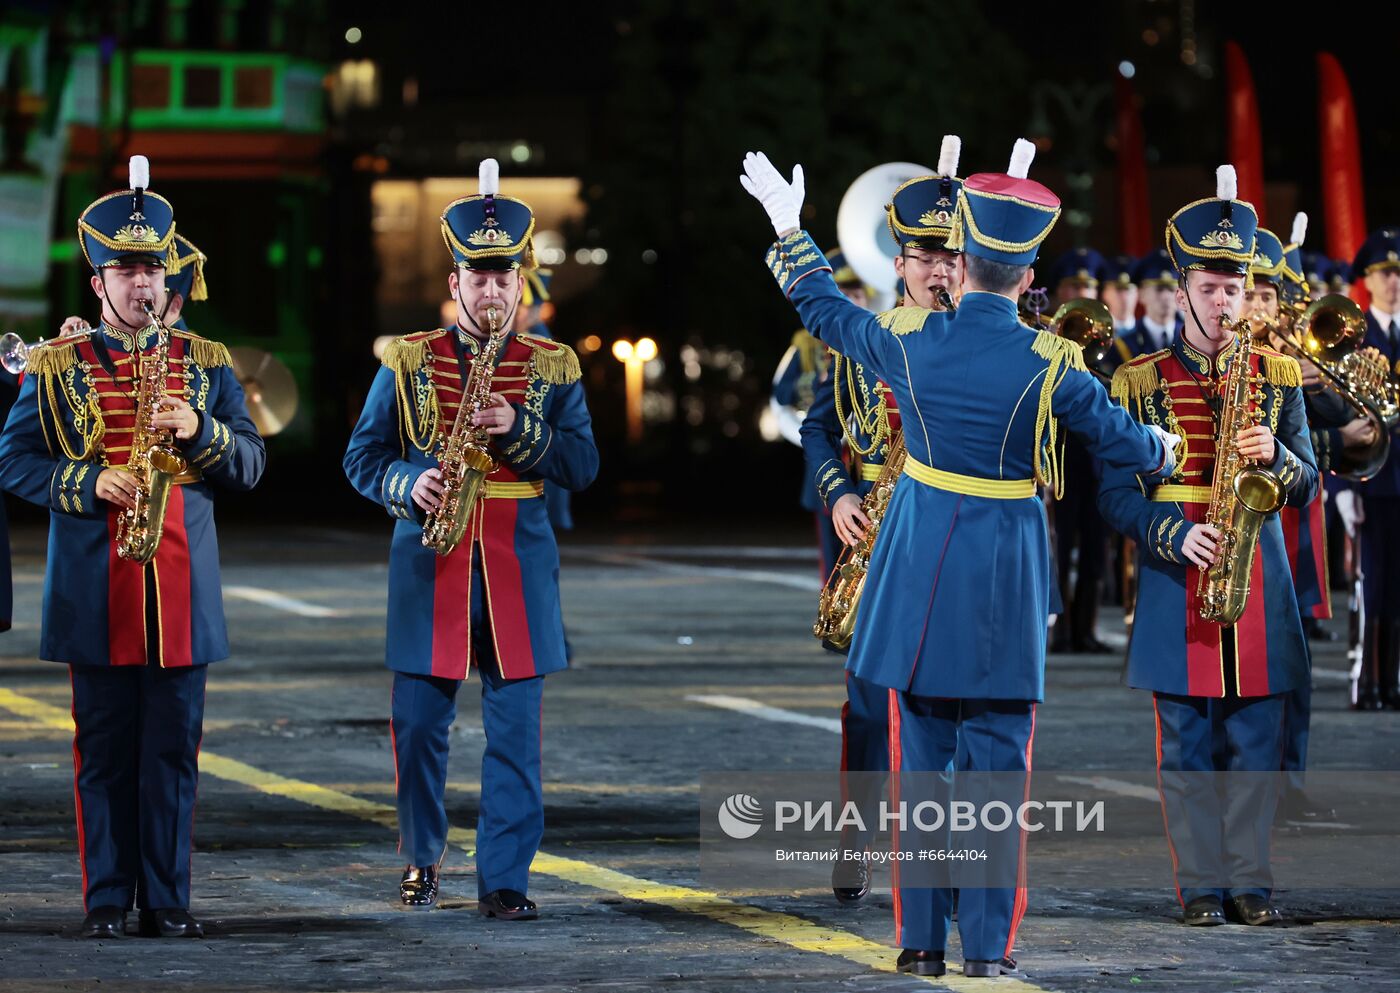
pixel 136 770
pixel 865 748
pixel 928 734
pixel 1297 724
pixel 1218 827
pixel 510 819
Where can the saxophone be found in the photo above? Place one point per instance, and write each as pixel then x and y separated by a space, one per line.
pixel 1242 495
pixel 836 607
pixel 462 454
pixel 840 597
pixel 155 462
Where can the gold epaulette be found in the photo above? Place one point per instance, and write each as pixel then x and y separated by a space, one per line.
pixel 1138 378
pixel 406 353
pixel 1279 369
pixel 57 356
pixel 555 361
pixel 1053 347
pixel 206 353
pixel 904 320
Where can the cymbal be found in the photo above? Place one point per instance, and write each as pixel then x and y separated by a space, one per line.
pixel 268 386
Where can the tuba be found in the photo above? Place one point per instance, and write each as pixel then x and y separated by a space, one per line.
pixel 155 462
pixel 1328 333
pixel 1242 495
pixel 861 230
pixel 462 454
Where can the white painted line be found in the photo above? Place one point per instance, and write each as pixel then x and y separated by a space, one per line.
pixel 277 601
pixel 809 584
pixel 1115 786
pixel 755 709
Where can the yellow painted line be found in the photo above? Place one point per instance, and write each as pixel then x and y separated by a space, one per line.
pixel 795 932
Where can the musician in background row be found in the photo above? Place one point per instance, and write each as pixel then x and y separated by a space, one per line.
pixel 136 637
pixel 492 604
pixel 1156 285
pixel 1081 540
pixel 805 366
pixel 1120 294
pixel 1332 427
pixel 965 656
pixel 847 437
pixel 1213 682
pixel 1377 680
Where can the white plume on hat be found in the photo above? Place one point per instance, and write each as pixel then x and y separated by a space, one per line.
pixel 1022 155
pixel 948 156
pixel 1300 228
pixel 489 178
pixel 139 172
pixel 1227 186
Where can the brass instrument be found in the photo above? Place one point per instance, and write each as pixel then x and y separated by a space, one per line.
pixel 155 462
pixel 840 598
pixel 1328 333
pixel 1089 324
pixel 1242 495
pixel 462 454
pixel 14 353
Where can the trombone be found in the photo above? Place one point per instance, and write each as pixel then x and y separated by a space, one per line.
pixel 1328 333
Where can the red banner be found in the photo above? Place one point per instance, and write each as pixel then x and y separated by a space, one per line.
pixel 1342 196
pixel 1245 146
pixel 1135 234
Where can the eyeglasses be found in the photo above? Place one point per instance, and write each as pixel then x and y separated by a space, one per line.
pixel 937 263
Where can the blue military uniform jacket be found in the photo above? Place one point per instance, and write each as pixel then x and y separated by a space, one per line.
pixel 958 589
pixel 74 417
pixel 510 544
pixel 1173 650
pixel 871 418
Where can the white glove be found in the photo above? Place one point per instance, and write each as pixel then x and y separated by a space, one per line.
pixel 1349 510
pixel 1169 442
pixel 782 200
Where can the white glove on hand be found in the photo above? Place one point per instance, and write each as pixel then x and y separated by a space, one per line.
pixel 1169 442
pixel 782 200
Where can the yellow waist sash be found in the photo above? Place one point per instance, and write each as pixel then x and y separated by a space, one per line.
pixel 870 472
pixel 1180 493
pixel 513 491
pixel 997 489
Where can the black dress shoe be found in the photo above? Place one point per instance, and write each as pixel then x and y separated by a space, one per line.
pixel 1204 911
pixel 508 905
pixel 1297 808
pixel 984 969
pixel 1254 910
pixel 919 963
pixel 850 881
pixel 104 922
pixel 172 922
pixel 418 889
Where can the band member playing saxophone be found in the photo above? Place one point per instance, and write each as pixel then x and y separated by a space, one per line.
pixel 460 430
pixel 850 439
pixel 1217 636
pixel 125 431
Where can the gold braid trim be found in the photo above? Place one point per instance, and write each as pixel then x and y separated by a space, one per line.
pixel 51 360
pixel 1063 356
pixel 209 354
pixel 404 356
pixel 903 320
pixel 1136 380
pixel 557 365
pixel 1053 347
pixel 1281 370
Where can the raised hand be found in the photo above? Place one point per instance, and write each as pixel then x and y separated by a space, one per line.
pixel 780 198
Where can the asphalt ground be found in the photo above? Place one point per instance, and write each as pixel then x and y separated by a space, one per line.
pixel 295 872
